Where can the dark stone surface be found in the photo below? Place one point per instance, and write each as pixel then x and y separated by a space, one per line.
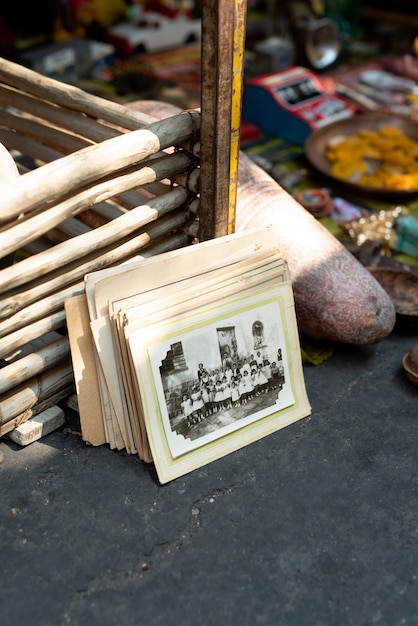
pixel 314 525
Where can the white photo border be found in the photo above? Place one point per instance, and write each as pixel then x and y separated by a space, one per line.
pixel 148 344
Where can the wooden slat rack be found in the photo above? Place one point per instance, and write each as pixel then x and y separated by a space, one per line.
pixel 95 184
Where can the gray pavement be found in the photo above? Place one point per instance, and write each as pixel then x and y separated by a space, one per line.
pixel 314 525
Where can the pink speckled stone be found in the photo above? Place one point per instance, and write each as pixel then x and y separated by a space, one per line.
pixel 336 298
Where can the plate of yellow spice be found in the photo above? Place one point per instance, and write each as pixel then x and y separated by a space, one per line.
pixel 369 153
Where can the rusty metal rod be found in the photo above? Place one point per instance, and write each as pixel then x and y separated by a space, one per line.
pixel 223 34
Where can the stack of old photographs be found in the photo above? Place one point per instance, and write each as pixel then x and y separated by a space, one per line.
pixel 187 356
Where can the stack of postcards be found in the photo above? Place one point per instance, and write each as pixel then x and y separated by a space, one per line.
pixel 187 356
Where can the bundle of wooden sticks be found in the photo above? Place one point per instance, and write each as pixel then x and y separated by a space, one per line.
pixel 92 184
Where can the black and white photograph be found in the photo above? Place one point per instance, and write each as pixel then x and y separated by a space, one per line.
pixel 220 375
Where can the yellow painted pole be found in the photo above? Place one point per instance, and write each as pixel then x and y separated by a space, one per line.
pixel 236 102
pixel 223 41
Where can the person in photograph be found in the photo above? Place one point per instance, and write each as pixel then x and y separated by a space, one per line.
pixel 258 358
pixel 267 372
pixel 245 367
pixel 229 372
pixel 274 370
pixel 197 404
pixel 254 381
pixel 235 394
pixel 281 376
pixel 204 377
pixel 226 387
pixel 242 388
pixel 211 386
pixel 248 385
pixel 214 375
pixel 200 371
pixel 262 382
pixel 187 409
pixel 237 370
pixel 227 362
pixel 206 398
pixel 281 368
pixel 219 395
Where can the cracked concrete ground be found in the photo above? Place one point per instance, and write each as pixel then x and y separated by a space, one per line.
pixel 314 525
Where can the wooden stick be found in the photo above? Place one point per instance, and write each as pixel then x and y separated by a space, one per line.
pixel 112 209
pixel 65 252
pixel 157 188
pixel 36 246
pixel 54 180
pixel 72 228
pixel 38 388
pixel 57 139
pixel 39 426
pixel 71 97
pixel 166 243
pixel 43 358
pixel 28 147
pixel 32 346
pixel 61 117
pixel 47 296
pixel 31 332
pixel 24 231
pixel 161 241
pixel 129 199
pixel 39 407
pixel 36 309
pixel 33 364
pixel 190 180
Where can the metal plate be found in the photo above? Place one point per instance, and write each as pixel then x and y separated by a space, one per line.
pixel 402 287
pixel 317 142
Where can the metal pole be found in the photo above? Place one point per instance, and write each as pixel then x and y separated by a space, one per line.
pixel 223 42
